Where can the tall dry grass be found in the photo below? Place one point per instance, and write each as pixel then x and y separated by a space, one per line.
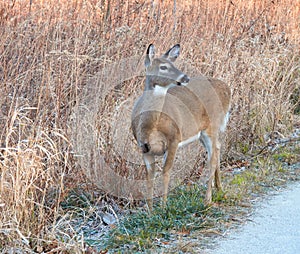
pixel 49 50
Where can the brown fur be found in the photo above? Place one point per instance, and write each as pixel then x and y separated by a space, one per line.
pixel 161 122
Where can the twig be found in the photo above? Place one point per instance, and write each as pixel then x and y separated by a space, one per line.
pixel 282 141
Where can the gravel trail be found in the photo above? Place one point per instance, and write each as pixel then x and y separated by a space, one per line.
pixel 274 228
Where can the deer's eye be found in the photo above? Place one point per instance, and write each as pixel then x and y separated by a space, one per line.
pixel 163 67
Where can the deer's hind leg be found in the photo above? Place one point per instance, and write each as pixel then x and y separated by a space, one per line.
pixel 210 141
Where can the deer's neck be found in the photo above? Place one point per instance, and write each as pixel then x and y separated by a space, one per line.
pixel 149 84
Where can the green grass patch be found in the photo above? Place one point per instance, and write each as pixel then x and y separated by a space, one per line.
pixel 184 212
pixel 244 178
pixel 286 156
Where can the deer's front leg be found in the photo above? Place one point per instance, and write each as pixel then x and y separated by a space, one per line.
pixel 150 172
pixel 169 161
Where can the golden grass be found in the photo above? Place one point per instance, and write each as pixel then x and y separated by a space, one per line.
pixel 51 50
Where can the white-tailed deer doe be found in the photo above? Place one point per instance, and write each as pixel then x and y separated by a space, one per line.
pixel 175 110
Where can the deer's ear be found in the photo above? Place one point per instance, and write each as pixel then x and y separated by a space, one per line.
pixel 172 53
pixel 149 55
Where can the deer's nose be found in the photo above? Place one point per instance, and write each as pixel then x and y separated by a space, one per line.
pixel 185 79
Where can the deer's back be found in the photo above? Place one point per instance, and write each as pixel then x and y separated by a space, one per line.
pixel 201 104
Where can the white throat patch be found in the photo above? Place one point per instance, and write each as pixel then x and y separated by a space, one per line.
pixel 162 90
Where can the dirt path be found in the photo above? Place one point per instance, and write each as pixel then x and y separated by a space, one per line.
pixel 274 228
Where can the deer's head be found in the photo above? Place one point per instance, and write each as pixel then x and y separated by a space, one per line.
pixel 160 71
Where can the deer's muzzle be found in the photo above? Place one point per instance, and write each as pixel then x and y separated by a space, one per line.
pixel 183 80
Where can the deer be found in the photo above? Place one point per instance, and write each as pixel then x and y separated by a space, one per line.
pixel 175 110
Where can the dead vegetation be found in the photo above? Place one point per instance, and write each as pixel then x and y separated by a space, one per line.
pixel 53 52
